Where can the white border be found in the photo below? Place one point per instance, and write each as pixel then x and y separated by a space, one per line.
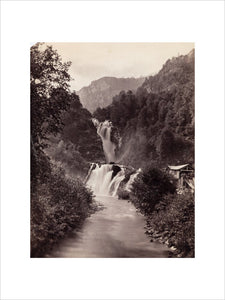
pixel 24 23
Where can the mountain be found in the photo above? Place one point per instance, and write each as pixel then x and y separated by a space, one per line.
pixel 100 92
pixel 156 123
pixel 176 72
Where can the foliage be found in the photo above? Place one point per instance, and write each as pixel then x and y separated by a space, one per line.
pixel 149 188
pixel 50 97
pixel 65 155
pixel 174 218
pixel 81 132
pixel 78 143
pixel 58 206
pixel 168 214
pixel 49 82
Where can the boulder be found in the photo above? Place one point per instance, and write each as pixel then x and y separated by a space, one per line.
pixel 116 169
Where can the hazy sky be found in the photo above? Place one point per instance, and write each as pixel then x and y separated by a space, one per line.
pixel 91 61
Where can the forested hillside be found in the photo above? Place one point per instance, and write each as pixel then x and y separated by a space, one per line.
pixel 156 123
pixel 78 144
pixel 100 92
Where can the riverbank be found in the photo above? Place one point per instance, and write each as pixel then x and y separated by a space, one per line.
pixel 172 224
pixel 58 206
pixel 164 237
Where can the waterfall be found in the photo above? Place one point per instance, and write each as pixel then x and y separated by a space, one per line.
pixel 105 179
pixel 104 131
pixel 102 182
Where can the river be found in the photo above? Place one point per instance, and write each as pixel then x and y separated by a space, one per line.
pixel 116 230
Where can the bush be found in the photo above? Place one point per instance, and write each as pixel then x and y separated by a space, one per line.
pixel 149 188
pixel 176 218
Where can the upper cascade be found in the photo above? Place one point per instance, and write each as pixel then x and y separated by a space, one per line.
pixel 104 131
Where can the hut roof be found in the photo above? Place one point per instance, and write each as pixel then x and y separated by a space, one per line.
pixel 176 168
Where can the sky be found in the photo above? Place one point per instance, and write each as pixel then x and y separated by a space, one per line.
pixel 91 61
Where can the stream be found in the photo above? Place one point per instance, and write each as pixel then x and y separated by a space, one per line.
pixel 116 230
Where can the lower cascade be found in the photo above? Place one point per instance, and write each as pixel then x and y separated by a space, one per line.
pixel 105 179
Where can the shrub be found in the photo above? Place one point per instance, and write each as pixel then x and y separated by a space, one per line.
pixel 149 188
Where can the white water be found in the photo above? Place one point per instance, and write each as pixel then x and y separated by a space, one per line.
pixel 104 131
pixel 114 184
pixel 101 181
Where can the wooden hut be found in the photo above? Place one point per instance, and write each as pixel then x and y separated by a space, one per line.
pixel 183 173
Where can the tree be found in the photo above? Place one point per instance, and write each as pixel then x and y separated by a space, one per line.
pixel 50 95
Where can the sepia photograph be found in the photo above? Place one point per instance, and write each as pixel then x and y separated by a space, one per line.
pixel 112 150
pixel 112 142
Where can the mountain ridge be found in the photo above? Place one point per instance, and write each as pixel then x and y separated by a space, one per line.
pixel 100 92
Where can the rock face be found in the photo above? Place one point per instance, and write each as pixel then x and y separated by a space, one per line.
pixel 101 92
pixel 116 169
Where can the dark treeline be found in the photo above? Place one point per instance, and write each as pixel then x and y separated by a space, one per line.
pixel 61 130
pixel 157 122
